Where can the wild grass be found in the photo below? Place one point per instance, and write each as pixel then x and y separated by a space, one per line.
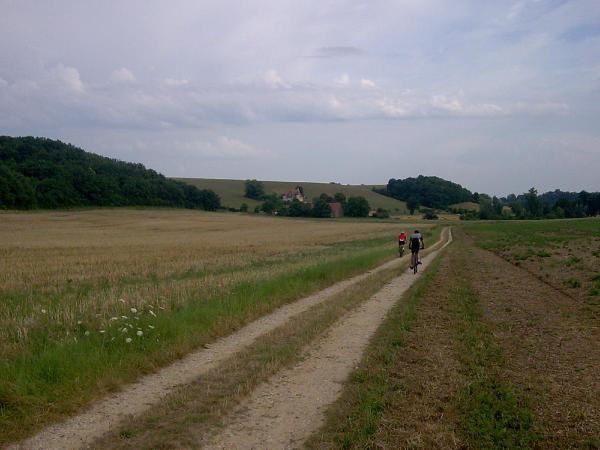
pixel 95 298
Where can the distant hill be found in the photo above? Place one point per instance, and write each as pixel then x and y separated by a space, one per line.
pixel 44 173
pixel 231 192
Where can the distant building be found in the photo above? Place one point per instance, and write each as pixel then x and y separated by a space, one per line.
pixel 295 194
pixel 336 210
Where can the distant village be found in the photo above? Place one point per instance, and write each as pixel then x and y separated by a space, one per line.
pixel 337 209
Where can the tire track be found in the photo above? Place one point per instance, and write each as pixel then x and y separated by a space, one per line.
pixel 283 412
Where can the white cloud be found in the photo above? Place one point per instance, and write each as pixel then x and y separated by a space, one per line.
pixel 274 80
pixel 3 82
pixel 172 82
pixel 343 80
pixel 444 103
pixel 369 84
pixel 122 75
pixel 68 77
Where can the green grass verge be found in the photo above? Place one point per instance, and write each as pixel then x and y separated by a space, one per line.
pixel 41 387
pixel 492 414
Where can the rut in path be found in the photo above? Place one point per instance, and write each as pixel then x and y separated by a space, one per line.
pixel 286 410
pixel 82 430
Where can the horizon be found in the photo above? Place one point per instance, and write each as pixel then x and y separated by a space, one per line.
pixel 498 98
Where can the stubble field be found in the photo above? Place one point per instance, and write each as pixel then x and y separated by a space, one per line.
pixel 93 299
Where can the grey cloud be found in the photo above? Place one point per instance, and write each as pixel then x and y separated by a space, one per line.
pixel 337 52
pixel 582 32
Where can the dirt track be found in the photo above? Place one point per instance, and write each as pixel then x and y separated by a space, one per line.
pixel 283 412
pixel 80 431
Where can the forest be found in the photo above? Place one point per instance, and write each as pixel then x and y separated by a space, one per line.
pixel 45 173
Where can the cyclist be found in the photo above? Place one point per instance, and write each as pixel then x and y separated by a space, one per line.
pixel 401 242
pixel 415 243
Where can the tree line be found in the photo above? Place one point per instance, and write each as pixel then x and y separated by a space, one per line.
pixel 45 173
pixel 531 205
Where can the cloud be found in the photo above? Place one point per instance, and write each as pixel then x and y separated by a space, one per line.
pixel 222 147
pixel 337 52
pixel 343 80
pixel 3 82
pixel 582 32
pixel 171 82
pixel 68 77
pixel 122 75
pixel 274 80
pixel 369 84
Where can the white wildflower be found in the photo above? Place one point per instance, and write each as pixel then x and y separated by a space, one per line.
pixel 152 312
pixel 79 322
pixel 87 333
pixel 134 310
pixel 124 317
pixel 102 331
pixel 140 333
pixel 151 327
pixel 44 311
pixel 124 330
pixel 121 300
pixel 114 318
pixel 129 325
pixel 128 340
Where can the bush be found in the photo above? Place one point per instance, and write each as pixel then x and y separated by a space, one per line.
pixel 321 208
pixel 357 207
pixel 430 215
pixel 254 189
pixel 382 213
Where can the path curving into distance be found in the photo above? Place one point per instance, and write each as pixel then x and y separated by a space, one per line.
pixel 83 429
pixel 287 409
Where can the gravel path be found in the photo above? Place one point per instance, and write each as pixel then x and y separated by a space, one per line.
pixel 283 412
pixel 81 430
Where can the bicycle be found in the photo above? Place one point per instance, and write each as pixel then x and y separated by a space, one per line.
pixel 401 250
pixel 414 261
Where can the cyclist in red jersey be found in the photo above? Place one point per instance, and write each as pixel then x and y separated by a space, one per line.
pixel 401 242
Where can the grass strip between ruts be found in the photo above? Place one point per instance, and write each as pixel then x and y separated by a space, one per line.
pixel 41 388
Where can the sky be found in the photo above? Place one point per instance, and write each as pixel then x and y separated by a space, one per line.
pixel 498 96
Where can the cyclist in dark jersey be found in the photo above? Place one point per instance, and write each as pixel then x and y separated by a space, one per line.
pixel 415 243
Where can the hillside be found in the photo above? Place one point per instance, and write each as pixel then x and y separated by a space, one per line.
pixel 231 192
pixel 44 173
